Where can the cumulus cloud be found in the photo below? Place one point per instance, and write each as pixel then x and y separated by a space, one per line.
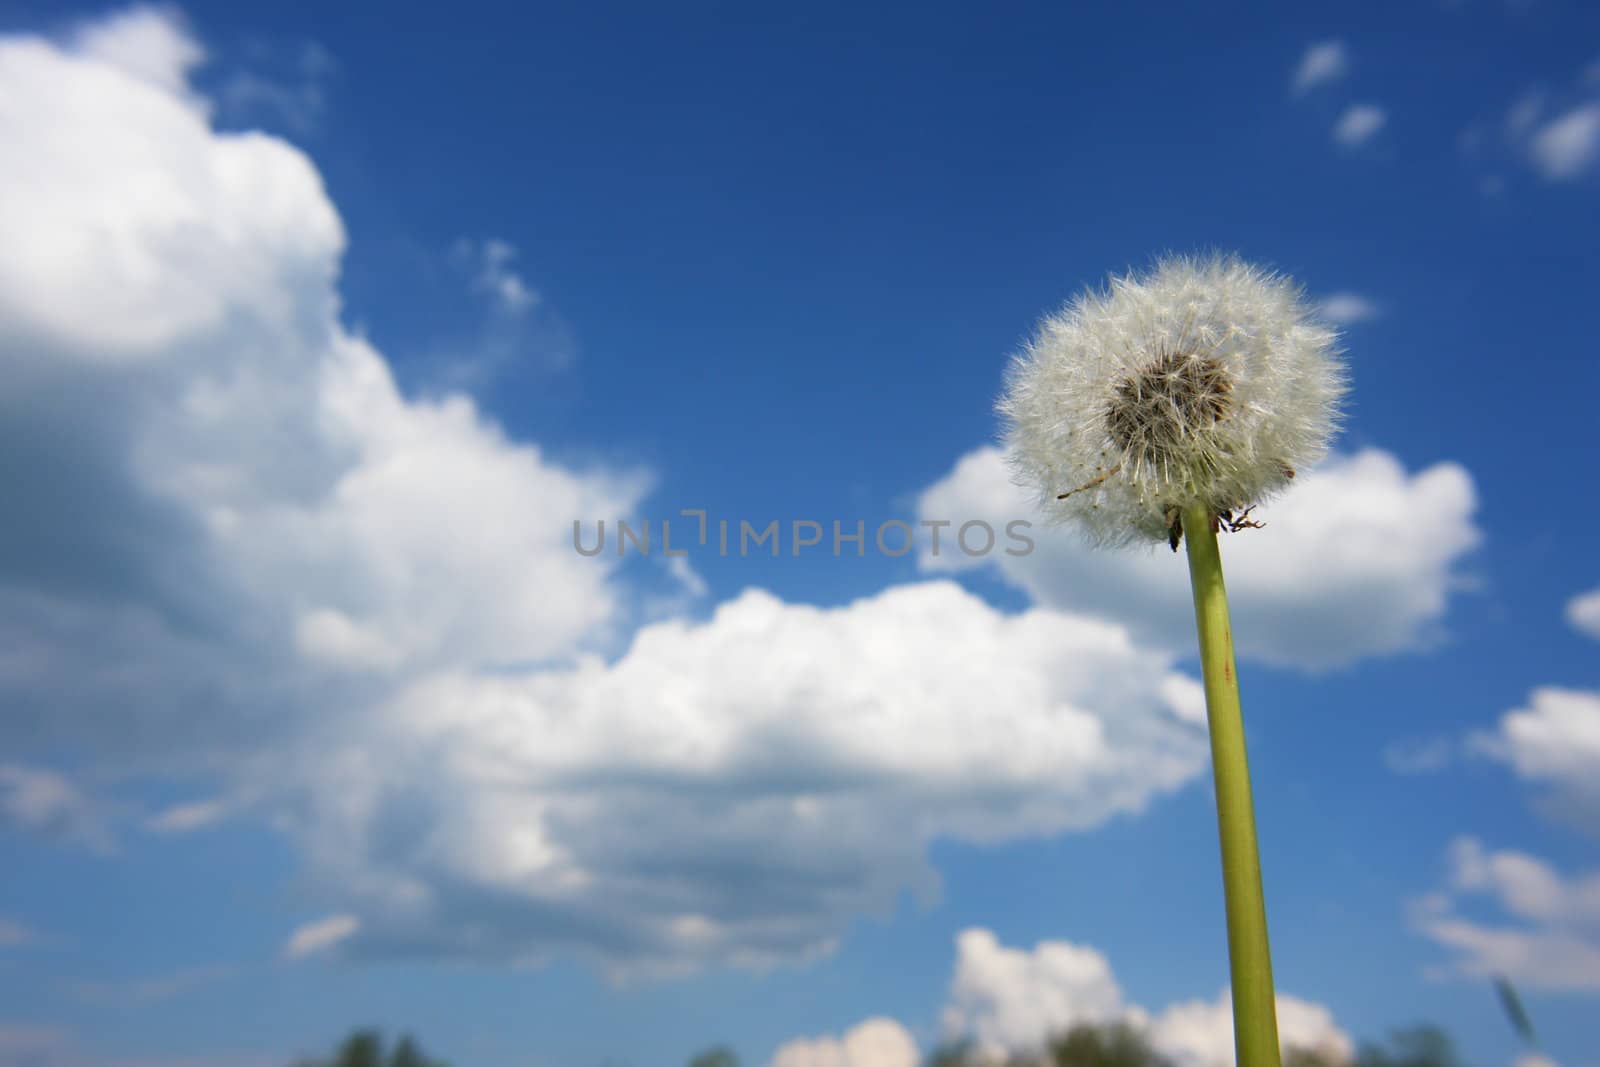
pixel 1011 1001
pixel 1359 123
pixel 877 1042
pixel 1547 935
pixel 1358 559
pixel 149 43
pixel 230 500
pixel 1322 64
pixel 1348 309
pixel 735 791
pixel 250 555
pixel 1568 145
pixel 320 935
pixel 1555 742
pixel 1583 612
pixel 1199 1033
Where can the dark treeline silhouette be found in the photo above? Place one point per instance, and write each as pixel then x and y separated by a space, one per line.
pixel 365 1048
pixel 1114 1045
pixel 1121 1045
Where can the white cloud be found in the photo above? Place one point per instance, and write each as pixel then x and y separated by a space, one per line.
pixel 1554 131
pixel 1323 63
pixel 136 235
pixel 320 935
pixel 13 933
pixel 184 818
pixel 1358 559
pixel 1568 145
pixel 1527 887
pixel 735 791
pixel 490 262
pixel 1419 756
pixel 251 554
pixel 1348 309
pixel 293 93
pixel 877 1042
pixel 518 333
pixel 1525 112
pixel 1554 741
pixel 1011 1001
pixel 1583 612
pixel 1199 1033
pixel 1359 123
pixel 150 989
pixel 43 802
pixel 27 1044
pixel 237 503
pixel 1549 933
pixel 147 42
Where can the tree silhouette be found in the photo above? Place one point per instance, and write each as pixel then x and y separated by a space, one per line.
pixel 1117 1045
pixel 717 1056
pixel 364 1048
pixel 1417 1046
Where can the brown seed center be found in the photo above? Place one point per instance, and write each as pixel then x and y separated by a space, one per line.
pixel 1166 402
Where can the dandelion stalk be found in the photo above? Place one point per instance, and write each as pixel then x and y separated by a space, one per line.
pixel 1255 1019
pixel 1149 412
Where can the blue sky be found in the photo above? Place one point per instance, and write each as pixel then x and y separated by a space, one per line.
pixel 321 327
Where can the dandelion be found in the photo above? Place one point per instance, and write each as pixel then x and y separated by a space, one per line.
pixel 1167 408
pixel 1207 384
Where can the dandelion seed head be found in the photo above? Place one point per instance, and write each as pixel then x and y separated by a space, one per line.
pixel 1206 381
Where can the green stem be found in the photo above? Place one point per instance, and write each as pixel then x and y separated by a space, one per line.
pixel 1255 1017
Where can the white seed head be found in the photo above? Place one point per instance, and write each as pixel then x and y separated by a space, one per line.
pixel 1207 381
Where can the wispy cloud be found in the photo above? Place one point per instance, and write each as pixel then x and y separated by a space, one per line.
pixel 490 263
pixel 518 330
pixel 182 818
pixel 1554 742
pixel 1583 612
pixel 1548 935
pixel 1348 309
pixel 13 933
pixel 290 87
pixel 1358 124
pixel 28 1045
pixel 317 936
pixel 1323 63
pixel 46 803
pixel 1419 756
pixel 1553 131
pixel 148 990
pixel 1568 145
